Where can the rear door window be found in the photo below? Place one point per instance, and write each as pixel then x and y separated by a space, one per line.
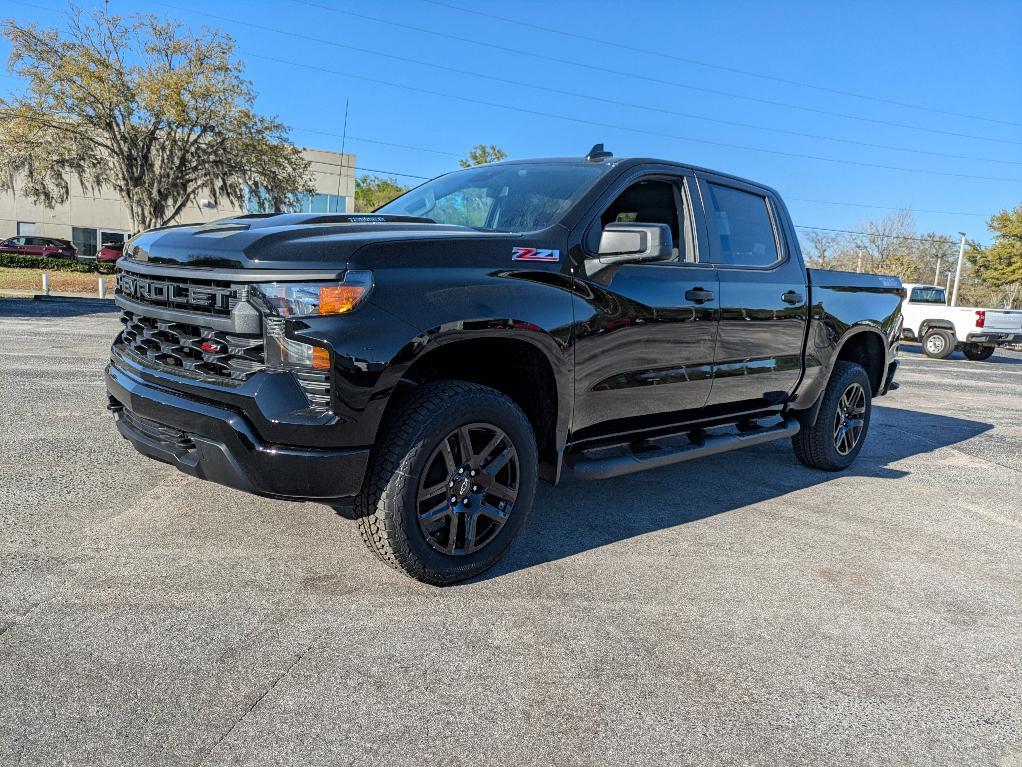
pixel 743 230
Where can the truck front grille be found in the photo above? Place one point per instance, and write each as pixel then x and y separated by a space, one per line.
pixel 194 294
pixel 193 348
pixel 211 353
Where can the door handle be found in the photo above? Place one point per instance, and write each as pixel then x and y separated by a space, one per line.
pixel 698 295
pixel 791 297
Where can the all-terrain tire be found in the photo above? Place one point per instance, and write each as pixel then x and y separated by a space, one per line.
pixel 938 343
pixel 387 508
pixel 817 445
pixel 977 353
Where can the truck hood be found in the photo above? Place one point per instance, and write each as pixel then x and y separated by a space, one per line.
pixel 284 241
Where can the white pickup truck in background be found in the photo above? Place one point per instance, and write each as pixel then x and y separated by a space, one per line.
pixel 941 329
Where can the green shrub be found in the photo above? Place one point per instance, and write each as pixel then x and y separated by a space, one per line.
pixel 55 264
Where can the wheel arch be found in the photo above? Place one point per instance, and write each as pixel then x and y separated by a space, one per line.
pixel 518 359
pixel 867 347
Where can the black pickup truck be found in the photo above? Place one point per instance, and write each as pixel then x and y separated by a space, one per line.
pixel 495 326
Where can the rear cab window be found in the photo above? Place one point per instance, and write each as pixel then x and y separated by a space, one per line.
pixel 742 227
pixel 928 296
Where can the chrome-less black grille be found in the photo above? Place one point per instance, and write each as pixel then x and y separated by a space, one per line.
pixel 193 294
pixel 193 348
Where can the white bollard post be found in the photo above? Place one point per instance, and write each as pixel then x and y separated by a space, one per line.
pixel 102 288
pixel 46 283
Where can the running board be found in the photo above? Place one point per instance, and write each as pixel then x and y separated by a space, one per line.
pixel 711 444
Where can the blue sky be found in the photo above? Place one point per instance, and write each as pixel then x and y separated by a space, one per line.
pixel 963 57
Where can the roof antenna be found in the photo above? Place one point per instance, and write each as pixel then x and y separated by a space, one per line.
pixel 598 153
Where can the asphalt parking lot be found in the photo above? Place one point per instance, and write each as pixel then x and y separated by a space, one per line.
pixel 740 610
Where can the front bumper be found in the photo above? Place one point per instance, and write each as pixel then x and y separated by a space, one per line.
pixel 208 441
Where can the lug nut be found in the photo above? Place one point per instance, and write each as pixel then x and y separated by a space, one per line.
pixel 475 488
pixel 451 483
pixel 454 499
pixel 466 501
pixel 461 470
pixel 472 473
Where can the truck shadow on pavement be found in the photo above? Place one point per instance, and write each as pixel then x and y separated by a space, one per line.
pixel 578 516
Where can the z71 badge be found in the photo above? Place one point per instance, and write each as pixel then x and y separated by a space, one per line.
pixel 535 254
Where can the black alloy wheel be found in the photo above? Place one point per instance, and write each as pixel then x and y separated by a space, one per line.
pixel 468 489
pixel 849 418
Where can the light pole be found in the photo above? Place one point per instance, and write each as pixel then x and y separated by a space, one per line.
pixel 958 271
pixel 948 273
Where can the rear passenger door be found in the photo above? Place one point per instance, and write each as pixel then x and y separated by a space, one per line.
pixel 764 309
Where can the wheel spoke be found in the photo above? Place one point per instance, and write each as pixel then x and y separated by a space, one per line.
pixel 464 444
pixel 452 534
pixel 470 533
pixel 483 454
pixel 445 451
pixel 437 513
pixel 430 492
pixel 500 461
pixel 503 492
pixel 493 513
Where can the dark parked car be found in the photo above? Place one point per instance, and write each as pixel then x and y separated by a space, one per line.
pixel 494 326
pixel 38 246
pixel 110 252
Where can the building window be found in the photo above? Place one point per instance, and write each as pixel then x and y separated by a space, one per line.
pixel 84 239
pixel 306 203
pixel 26 227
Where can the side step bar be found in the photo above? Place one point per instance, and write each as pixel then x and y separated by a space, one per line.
pixel 711 444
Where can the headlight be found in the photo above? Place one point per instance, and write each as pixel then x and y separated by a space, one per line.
pixel 293 300
pixel 309 299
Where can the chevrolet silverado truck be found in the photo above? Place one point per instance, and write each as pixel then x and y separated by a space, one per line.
pixel 517 321
pixel 943 329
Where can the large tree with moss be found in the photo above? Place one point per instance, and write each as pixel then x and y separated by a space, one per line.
pixel 145 107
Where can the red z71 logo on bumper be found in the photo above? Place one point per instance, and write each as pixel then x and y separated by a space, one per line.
pixel 535 254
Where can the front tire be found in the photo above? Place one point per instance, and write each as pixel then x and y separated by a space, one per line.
pixel 977 353
pixel 835 439
pixel 450 483
pixel 938 343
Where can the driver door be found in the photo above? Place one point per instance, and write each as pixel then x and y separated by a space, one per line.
pixel 645 332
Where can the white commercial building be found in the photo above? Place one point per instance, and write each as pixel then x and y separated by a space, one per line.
pixel 90 220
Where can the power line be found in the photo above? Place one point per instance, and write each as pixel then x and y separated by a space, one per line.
pixel 575 94
pixel 720 67
pixel 873 234
pixel 375 141
pixel 887 207
pixel 629 129
pixel 546 57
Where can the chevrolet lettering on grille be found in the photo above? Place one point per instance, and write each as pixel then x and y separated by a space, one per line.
pixel 153 291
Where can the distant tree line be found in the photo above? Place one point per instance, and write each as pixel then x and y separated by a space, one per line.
pixel 991 276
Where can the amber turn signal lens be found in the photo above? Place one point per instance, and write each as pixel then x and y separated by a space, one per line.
pixel 338 299
pixel 320 358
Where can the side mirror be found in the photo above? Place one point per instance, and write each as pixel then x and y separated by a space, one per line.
pixel 627 243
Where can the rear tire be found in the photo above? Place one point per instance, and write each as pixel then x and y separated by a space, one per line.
pixel 978 353
pixel 938 343
pixel 835 439
pixel 448 440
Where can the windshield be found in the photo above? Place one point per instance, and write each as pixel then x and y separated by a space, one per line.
pixel 499 198
pixel 928 296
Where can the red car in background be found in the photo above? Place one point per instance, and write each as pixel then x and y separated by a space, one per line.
pixel 110 252
pixel 26 245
